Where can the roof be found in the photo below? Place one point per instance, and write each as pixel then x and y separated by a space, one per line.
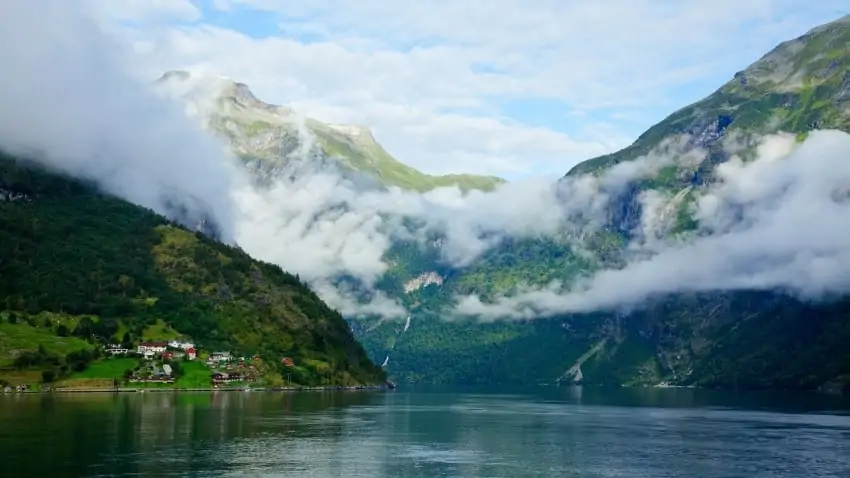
pixel 153 344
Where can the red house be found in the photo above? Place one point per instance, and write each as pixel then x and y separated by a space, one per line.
pixel 287 362
pixel 191 353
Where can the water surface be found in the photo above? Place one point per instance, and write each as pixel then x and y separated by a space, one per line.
pixel 427 433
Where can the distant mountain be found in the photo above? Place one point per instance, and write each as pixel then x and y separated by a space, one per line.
pixel 744 339
pixel 267 135
pixel 71 255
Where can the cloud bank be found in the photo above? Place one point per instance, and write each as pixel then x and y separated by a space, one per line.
pixel 504 87
pixel 69 99
pixel 777 220
pixel 323 226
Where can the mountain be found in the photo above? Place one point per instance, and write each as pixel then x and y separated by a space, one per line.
pixel 93 268
pixel 267 135
pixel 746 338
pixel 801 85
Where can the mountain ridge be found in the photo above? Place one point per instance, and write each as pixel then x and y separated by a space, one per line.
pixel 272 133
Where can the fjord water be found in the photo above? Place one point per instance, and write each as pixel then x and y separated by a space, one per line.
pixel 560 432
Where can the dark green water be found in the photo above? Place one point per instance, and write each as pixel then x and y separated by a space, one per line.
pixel 433 433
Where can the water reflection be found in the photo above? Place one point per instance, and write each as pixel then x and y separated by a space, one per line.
pixel 450 432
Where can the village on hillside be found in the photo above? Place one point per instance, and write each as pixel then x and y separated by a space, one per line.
pixel 56 354
pixel 161 363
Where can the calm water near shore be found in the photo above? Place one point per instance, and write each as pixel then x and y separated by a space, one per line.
pixel 566 432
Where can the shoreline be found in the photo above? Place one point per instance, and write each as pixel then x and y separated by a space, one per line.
pixel 330 388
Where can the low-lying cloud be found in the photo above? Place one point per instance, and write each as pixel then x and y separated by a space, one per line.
pixel 775 220
pixel 322 226
pixel 779 221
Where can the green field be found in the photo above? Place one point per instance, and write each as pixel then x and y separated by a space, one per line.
pixel 160 331
pixel 104 372
pixel 112 368
pixel 195 375
pixel 22 336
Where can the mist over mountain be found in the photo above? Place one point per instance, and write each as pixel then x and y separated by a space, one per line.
pixel 312 216
pixel 72 103
pixel 743 191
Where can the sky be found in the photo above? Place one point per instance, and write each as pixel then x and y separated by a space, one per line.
pixel 505 87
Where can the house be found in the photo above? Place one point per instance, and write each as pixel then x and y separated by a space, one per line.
pixel 176 344
pixel 154 347
pixel 220 356
pixel 173 355
pixel 191 353
pixel 219 378
pixel 287 362
pixel 116 349
pixel 167 369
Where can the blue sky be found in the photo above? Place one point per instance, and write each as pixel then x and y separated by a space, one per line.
pixel 507 87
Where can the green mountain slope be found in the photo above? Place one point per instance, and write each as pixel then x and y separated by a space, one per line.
pixel 742 339
pixel 69 255
pixel 802 84
pixel 270 133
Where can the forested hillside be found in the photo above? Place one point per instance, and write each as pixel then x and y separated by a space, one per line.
pixel 90 258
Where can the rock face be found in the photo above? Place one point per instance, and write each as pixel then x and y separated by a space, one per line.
pixel 12 196
pixel 269 136
pixel 422 280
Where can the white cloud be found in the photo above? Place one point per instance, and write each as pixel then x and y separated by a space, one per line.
pixel 396 94
pixel 322 226
pixel 591 53
pixel 427 77
pixel 70 99
pixel 785 226
pixel 147 10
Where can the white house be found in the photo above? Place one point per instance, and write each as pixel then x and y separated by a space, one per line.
pixel 116 349
pixel 152 347
pixel 176 344
pixel 220 356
